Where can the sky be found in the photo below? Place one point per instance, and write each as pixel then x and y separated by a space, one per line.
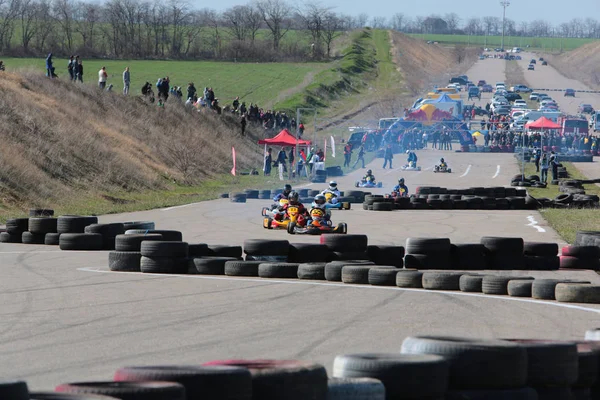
pixel 553 11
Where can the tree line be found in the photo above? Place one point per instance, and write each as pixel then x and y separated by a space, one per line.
pixel 263 30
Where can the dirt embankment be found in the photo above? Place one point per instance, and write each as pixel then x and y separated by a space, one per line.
pixel 60 140
pixel 582 64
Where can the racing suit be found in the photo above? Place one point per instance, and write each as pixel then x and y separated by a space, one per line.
pixel 402 190
pixel 443 165
pixel 365 179
pixel 334 198
pixel 280 196
pixel 325 220
pixel 412 157
pixel 283 210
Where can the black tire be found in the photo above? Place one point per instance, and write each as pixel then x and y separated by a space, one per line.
pixel 516 203
pixel 237 197
pixel 356 274
pixel 128 390
pixel 164 265
pixel 16 226
pixel 405 376
pixel 134 242
pixel 251 193
pixel 106 230
pixel 526 393
pixel 386 255
pixel 312 271
pixel 543 289
pixel 383 275
pixel 441 280
pixel 14 389
pixel 498 285
pixel 581 251
pixel 146 225
pixel 565 198
pixel 209 265
pixel 347 256
pixel 52 239
pixel 307 253
pixel 33 238
pixel 550 363
pixel 567 262
pixel 503 244
pixel 160 248
pixel 540 249
pixel 126 261
pixel 6 237
pixel 355 389
pixel 278 270
pixel 333 270
pixel 468 256
pixel 470 283
pixel 582 238
pixel 241 268
pixel 381 206
pixel 225 251
pixel 427 246
pixel 358 195
pixel 80 241
pixel 67 396
pixel 42 225
pixel 475 364
pixel 74 223
pixel 519 288
pixel 427 261
pixel 409 279
pixel 345 243
pixel 41 212
pixel 578 293
pixel 588 365
pixel 262 247
pixel 536 263
pixel 198 250
pixel 167 235
pixel 200 382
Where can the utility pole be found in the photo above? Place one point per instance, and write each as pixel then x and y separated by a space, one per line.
pixel 504 4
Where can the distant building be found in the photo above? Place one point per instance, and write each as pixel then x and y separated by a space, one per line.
pixel 435 25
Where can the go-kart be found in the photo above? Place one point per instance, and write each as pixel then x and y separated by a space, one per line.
pixel 411 166
pixel 368 183
pixel 396 193
pixel 340 205
pixel 292 215
pixel 272 211
pixel 442 168
pixel 316 226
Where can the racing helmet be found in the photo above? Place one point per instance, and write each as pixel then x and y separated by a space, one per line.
pixel 287 188
pixel 369 172
pixel 293 197
pixel 442 159
pixel 333 185
pixel 317 212
pixel 407 151
pixel 401 181
pixel 320 201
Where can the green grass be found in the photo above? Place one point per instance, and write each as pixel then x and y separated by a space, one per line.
pixel 252 82
pixel 546 44
pixel 174 195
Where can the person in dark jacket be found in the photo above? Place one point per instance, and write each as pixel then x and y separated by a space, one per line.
pixel 243 123
pixel 281 157
pixel 191 90
pixel 388 156
pixel 49 66
pixel 70 68
pixel 268 161
pixel 361 156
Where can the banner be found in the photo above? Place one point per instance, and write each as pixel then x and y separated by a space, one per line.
pixel 280 171
pixel 265 159
pixel 233 153
pixel 324 151
pixel 332 147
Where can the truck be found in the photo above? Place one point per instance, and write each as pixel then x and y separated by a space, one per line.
pixel 573 126
pixel 595 121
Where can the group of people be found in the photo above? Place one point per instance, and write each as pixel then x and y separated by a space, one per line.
pixel 305 160
pixel 544 161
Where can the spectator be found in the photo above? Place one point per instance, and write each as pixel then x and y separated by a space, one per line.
pixel 49 66
pixel 76 69
pixel 236 104
pixel 361 156
pixel 70 68
pixel 347 154
pixel 191 90
pixel 2 65
pixel 79 71
pixel 544 163
pixel 102 77
pixel 126 81
pixel 292 157
pixel 300 130
pixel 268 162
pixel 281 157
pixel 388 156
pixel 243 123
pixel 243 108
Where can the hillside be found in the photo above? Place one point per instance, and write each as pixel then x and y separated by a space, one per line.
pixel 582 64
pixel 62 143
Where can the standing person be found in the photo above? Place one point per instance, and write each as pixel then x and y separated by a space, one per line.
pixel 544 164
pixel 292 157
pixel 243 123
pixel 80 71
pixel 126 81
pixel 49 66
pixel 102 77
pixel 70 69
pixel 347 154
pixel 536 158
pixel 268 162
pixel 75 68
pixel 388 156
pixel 281 157
pixel 554 165
pixel 361 156
pixel 191 90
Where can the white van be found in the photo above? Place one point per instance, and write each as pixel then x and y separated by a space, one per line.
pixel 535 115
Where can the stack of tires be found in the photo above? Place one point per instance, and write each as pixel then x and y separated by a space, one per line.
pixel 541 256
pixel 72 233
pixel 580 257
pixel 265 194
pixel 251 193
pixel 320 176
pixel 376 202
pixel 571 186
pixel 108 231
pixel 428 253
pixel 266 250
pixel 386 255
pixel 587 238
pixel 164 257
pixel 504 253
pixel 127 254
pixel 308 253
pixel 345 247
pixel 238 197
pixel 14 230
pixel 39 229
pixel 354 196
pixel 468 256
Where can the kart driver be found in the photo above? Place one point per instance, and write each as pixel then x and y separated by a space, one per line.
pixel 412 157
pixel 333 189
pixel 369 177
pixel 443 163
pixel 401 188
pixel 293 202
pixel 287 189
pixel 318 212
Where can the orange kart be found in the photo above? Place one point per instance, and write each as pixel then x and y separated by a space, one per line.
pixel 272 211
pixel 316 226
pixel 292 215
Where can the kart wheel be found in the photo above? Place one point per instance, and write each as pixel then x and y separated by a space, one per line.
pixel 346 206
pixel 265 210
pixel 379 184
pixel 356 184
pixel 268 223
pixel 449 170
pixel 291 228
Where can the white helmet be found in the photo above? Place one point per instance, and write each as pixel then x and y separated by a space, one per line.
pixel 407 151
pixel 333 185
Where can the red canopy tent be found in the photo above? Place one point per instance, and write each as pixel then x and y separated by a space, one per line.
pixel 284 138
pixel 543 123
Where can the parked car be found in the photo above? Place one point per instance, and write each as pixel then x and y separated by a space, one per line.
pixel 531 67
pixel 512 96
pixel 518 58
pixel 544 62
pixel 533 61
pixel 541 58
pixel 585 109
pixel 474 92
pixel 458 80
pixel 570 93
pixel 487 89
pixel 481 83
pixel 533 96
pixel 520 88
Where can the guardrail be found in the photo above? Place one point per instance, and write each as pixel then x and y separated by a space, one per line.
pixel 562 90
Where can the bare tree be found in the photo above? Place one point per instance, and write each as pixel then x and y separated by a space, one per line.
pixel 473 26
pixel 276 15
pixel 87 16
pixel 65 11
pixel 361 20
pixel 212 19
pixel 418 24
pixel 397 21
pixel 378 22
pixel 44 24
pixel 333 26
pixel 235 20
pixel 488 24
pixel 453 21
pixel 28 11
pixel 9 12
pixel 313 20
pixel 179 15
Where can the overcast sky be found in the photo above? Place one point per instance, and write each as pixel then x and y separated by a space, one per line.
pixel 554 11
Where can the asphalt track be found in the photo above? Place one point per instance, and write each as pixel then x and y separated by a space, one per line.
pixel 65 317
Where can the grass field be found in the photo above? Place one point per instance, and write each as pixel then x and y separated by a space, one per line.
pixel 545 43
pixel 252 82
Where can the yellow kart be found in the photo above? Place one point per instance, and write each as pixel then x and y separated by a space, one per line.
pixel 318 225
pixel 340 205
pixel 292 216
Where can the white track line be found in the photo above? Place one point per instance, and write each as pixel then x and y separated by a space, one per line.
pixel 497 172
pixel 533 223
pixel 364 287
pixel 467 171
pixel 50 251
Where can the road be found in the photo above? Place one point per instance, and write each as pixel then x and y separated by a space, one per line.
pixel 65 317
